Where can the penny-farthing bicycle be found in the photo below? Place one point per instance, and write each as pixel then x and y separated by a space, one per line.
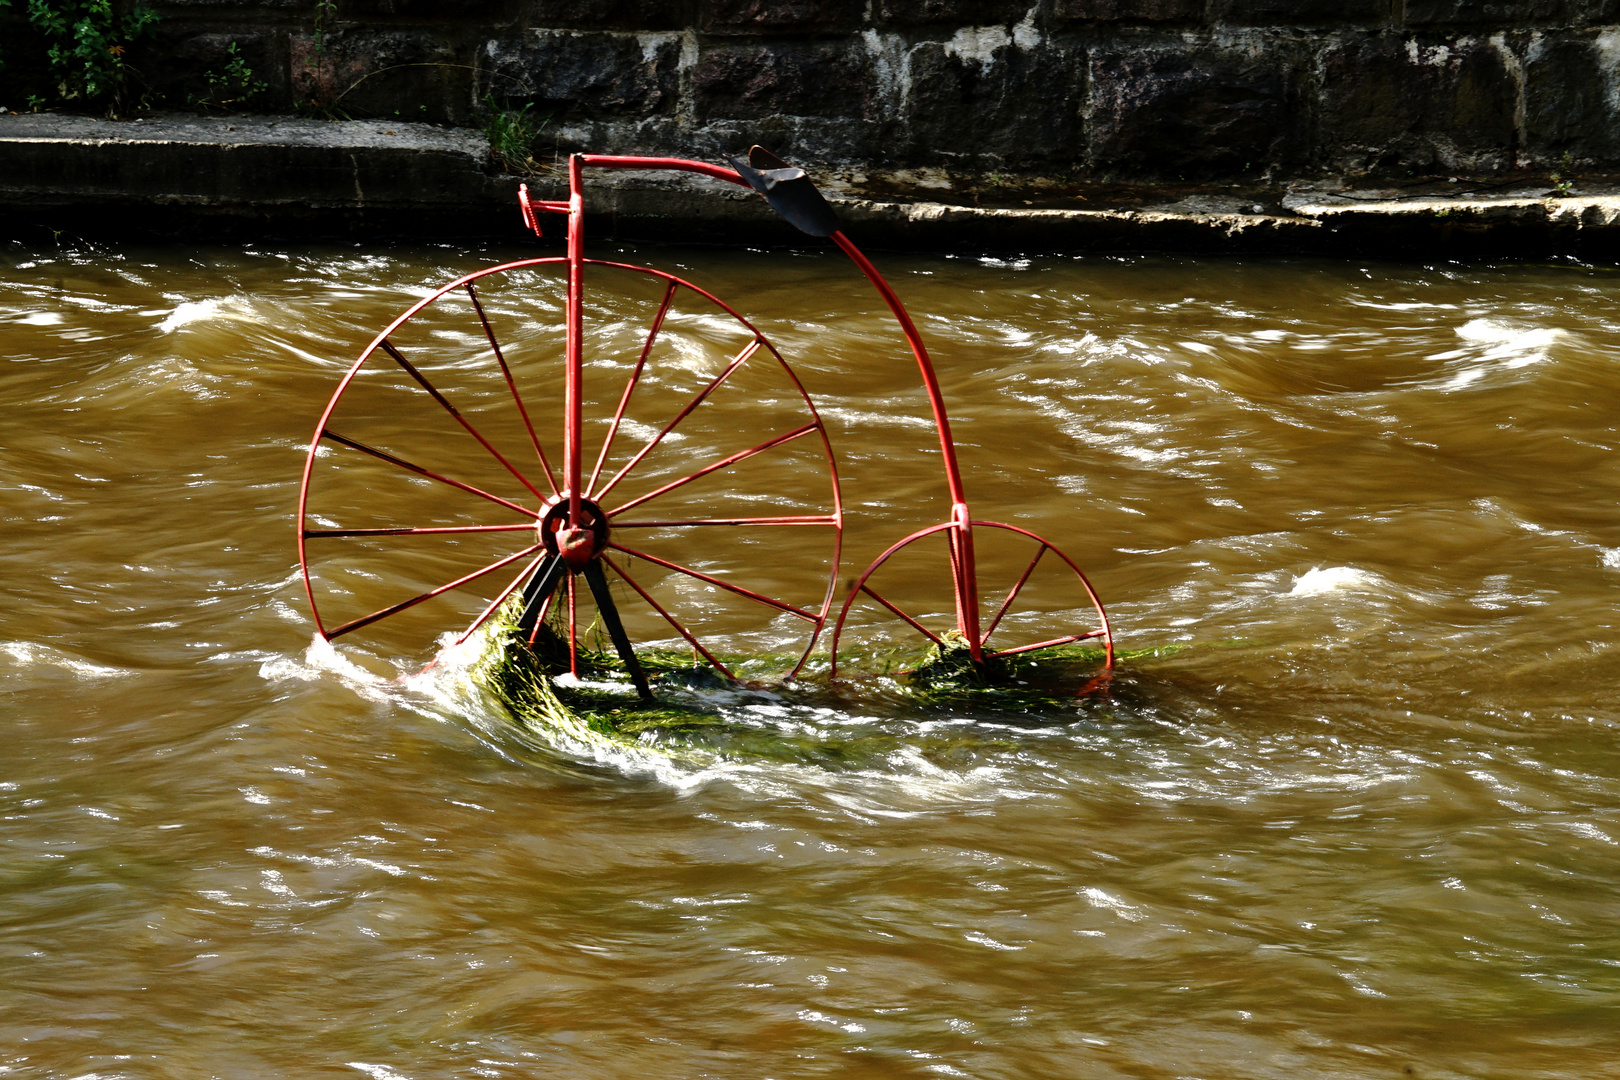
pixel 609 449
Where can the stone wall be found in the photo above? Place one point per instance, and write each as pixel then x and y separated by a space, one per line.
pixel 1099 89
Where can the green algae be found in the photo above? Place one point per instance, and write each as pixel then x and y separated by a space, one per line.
pixel 697 713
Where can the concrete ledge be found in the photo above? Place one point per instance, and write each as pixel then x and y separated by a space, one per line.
pixel 259 177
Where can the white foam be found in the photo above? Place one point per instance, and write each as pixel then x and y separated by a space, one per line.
pixel 1503 345
pixel 30 654
pixel 319 659
pixel 1515 345
pixel 189 312
pixel 376 1072
pixel 1329 579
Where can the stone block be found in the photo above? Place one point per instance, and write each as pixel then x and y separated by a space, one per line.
pixel 422 10
pixel 1127 11
pixel 958 12
pixel 1390 100
pixel 586 75
pixel 756 81
pixel 996 107
pixel 1566 106
pixel 1493 13
pixel 364 73
pixel 610 14
pixel 227 9
pixel 1194 111
pixel 1311 13
pixel 782 16
pixel 196 72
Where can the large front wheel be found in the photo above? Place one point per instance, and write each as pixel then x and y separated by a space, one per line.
pixel 430 488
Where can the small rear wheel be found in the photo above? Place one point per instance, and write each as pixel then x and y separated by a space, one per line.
pixel 1034 606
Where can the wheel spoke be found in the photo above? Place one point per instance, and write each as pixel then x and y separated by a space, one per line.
pixel 311 534
pixel 919 627
pixel 511 384
pixel 537 597
pixel 634 467
pixel 1013 595
pixel 421 380
pixel 737 362
pixel 610 618
pixel 544 610
pixel 394 609
pixel 679 629
pixel 573 630
pixel 383 455
pixel 1071 639
pixel 741 455
pixel 806 519
pixel 501 599
pixel 739 590
pixel 630 387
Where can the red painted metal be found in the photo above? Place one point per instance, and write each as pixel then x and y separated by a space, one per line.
pixel 936 397
pixel 959 528
pixel 384 455
pixel 500 598
pixel 395 609
pixel 802 519
pixel 630 386
pixel 517 398
pixel 907 619
pixel 574 498
pixel 738 362
pixel 433 530
pixel 952 529
pixel 570 487
pixel 656 606
pixel 723 463
pixel 720 582
pixel 399 358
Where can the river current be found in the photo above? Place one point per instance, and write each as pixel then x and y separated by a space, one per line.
pixel 1351 807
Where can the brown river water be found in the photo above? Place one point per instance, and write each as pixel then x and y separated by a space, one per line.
pixel 1358 816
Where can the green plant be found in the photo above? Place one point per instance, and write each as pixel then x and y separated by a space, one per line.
pixel 86 41
pixel 321 96
pixel 324 10
pixel 232 87
pixel 1563 182
pixel 512 135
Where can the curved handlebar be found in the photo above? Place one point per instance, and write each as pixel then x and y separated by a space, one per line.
pixel 613 161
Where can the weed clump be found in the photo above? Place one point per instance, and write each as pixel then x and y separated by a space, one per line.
pixel 514 135
pixel 599 705
pixel 86 42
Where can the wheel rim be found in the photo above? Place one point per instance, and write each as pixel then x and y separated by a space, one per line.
pixel 705 455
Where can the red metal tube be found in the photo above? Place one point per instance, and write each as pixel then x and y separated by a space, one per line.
pixel 615 161
pixel 936 399
pixel 573 393
pixel 964 572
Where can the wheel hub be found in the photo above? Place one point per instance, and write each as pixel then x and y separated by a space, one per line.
pixel 575 542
